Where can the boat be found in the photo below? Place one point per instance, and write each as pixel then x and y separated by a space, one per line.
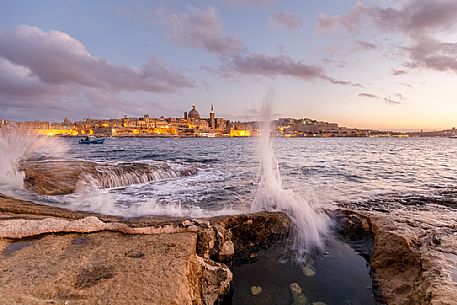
pixel 91 140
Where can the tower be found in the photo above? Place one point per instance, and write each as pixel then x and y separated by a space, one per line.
pixel 212 118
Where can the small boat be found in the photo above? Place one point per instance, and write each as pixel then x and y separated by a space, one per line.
pixel 91 140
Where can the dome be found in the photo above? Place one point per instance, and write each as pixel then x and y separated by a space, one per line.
pixel 193 114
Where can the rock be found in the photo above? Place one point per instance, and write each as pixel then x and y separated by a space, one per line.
pixel 187 223
pixel 297 295
pixel 295 288
pixel 98 272
pixel 95 259
pixel 300 299
pixel 227 250
pixel 63 177
pixel 217 280
pixel 308 270
pixel 319 303
pixel 248 234
pixel 256 290
pixel 413 253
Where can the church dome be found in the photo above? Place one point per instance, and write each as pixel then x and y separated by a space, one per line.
pixel 193 114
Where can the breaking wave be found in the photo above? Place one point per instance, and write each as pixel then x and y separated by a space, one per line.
pixel 125 174
pixel 17 146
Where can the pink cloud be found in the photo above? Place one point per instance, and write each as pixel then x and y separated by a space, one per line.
pixel 56 58
pixel 288 20
pixel 366 45
pixel 421 20
pixel 52 70
pixel 386 100
pixel 200 28
pixel 273 66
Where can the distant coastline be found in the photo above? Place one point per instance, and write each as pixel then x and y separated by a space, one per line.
pixel 192 125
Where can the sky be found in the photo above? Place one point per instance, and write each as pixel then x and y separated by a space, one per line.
pixel 364 64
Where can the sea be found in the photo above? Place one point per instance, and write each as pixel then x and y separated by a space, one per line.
pixel 303 177
pixel 326 171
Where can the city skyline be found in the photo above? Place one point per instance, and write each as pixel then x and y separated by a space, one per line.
pixel 388 66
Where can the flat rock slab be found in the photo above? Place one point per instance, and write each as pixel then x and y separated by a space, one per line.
pixel 414 254
pixel 100 268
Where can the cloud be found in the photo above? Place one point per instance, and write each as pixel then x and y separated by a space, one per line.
pixel 366 45
pixel 369 95
pixel 287 20
pixel 268 66
pixel 386 100
pixel 53 70
pixel 273 66
pixel 400 96
pixel 413 16
pixel 338 63
pixel 201 29
pixel 428 52
pixel 390 101
pixel 350 21
pixel 405 84
pixel 56 58
pixel 251 2
pixel 398 72
pixel 421 20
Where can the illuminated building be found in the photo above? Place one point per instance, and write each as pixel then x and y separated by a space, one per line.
pixel 212 118
pixel 193 114
pixel 240 133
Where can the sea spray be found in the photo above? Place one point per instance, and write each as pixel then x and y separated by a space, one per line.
pixel 17 146
pixel 90 198
pixel 310 225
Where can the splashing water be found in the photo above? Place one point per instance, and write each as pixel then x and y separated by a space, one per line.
pixel 17 146
pixel 310 225
pixel 90 198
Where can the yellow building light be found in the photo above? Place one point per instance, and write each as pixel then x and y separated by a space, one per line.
pixel 240 133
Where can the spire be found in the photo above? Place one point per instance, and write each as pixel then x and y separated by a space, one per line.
pixel 212 108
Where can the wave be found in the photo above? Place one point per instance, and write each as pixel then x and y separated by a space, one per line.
pixel 125 174
pixel 311 225
pixel 64 177
pixel 17 146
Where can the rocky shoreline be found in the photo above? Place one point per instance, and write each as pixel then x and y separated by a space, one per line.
pixel 413 253
pixel 56 256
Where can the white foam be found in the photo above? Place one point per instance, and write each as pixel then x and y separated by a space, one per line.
pixel 310 224
pixel 17 146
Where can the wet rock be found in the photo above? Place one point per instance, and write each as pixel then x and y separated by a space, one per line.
pixel 295 288
pixel 216 281
pixel 308 270
pixel 256 290
pixel 298 297
pixel 95 259
pixel 63 177
pixel 412 252
pixel 248 234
